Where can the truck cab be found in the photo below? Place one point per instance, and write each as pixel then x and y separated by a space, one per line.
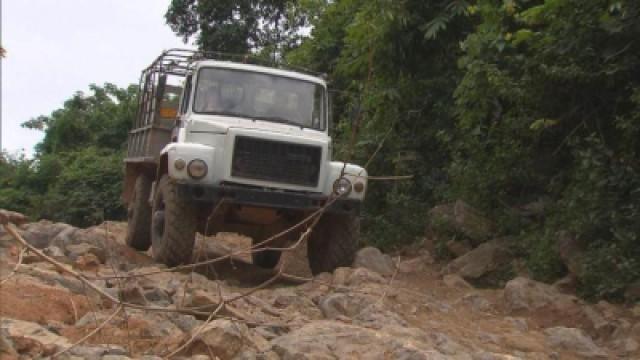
pixel 244 148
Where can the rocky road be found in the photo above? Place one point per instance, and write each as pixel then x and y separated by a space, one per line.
pixel 405 306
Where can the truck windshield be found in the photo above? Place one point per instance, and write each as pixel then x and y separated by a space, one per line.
pixel 260 96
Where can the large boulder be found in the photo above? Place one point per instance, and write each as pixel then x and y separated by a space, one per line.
pixel 574 340
pixel 13 217
pixel 482 260
pixel 225 339
pixel 460 218
pixel 41 234
pixel 458 248
pixel 373 259
pixel 526 294
pixel 36 335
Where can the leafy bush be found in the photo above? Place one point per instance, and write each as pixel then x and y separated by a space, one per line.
pixel 76 175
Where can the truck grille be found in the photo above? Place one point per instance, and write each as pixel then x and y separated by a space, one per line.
pixel 276 161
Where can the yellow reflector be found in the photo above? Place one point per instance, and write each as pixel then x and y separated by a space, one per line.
pixel 168 112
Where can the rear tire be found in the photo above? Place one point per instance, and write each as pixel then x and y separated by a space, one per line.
pixel 333 242
pixel 173 228
pixel 139 215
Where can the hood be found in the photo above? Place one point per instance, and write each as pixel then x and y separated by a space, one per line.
pixel 221 124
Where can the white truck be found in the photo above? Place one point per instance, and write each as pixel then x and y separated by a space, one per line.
pixel 229 146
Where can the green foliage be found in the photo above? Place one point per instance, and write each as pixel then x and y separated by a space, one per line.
pixel 87 190
pixel 500 104
pixel 76 175
pixel 548 107
pixel 241 25
pixel 376 53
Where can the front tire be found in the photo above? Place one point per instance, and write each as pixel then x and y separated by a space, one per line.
pixel 139 215
pixel 333 242
pixel 173 228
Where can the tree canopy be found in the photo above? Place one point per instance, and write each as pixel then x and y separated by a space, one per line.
pixel 238 26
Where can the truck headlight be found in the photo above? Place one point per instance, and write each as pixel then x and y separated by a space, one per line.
pixel 342 187
pixel 197 169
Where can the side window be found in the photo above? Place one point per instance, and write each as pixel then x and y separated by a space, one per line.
pixel 186 95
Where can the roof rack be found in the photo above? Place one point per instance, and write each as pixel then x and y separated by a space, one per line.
pixel 180 61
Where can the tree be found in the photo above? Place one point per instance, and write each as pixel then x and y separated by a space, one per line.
pixel 238 26
pixel 100 119
pixel 379 54
pixel 76 175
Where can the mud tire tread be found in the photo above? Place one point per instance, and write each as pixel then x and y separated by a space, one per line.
pixel 333 242
pixel 175 247
pixel 139 226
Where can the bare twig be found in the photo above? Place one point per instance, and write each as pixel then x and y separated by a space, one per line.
pixel 23 251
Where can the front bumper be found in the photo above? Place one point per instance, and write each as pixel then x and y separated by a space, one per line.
pixel 263 197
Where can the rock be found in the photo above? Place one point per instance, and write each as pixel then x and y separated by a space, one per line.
pixel 328 339
pixel 78 250
pixel 626 346
pixel 40 234
pixel 483 355
pixel 97 352
pixel 31 258
pixel 460 218
pixel 336 305
pixel 7 348
pixel 476 302
pixel 115 357
pixel 132 293
pixel 478 262
pixel 458 248
pixel 32 331
pixel 32 349
pixel 567 284
pixel 600 325
pixel 570 251
pixel 456 281
pixel 525 294
pixel 87 262
pixel 415 265
pixel 158 296
pixel 445 345
pixel 363 276
pixel 55 252
pixel 222 337
pixel 184 322
pixel 574 340
pixel 373 259
pixel 13 217
pixel 519 324
pixel 340 276
pixel 204 300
